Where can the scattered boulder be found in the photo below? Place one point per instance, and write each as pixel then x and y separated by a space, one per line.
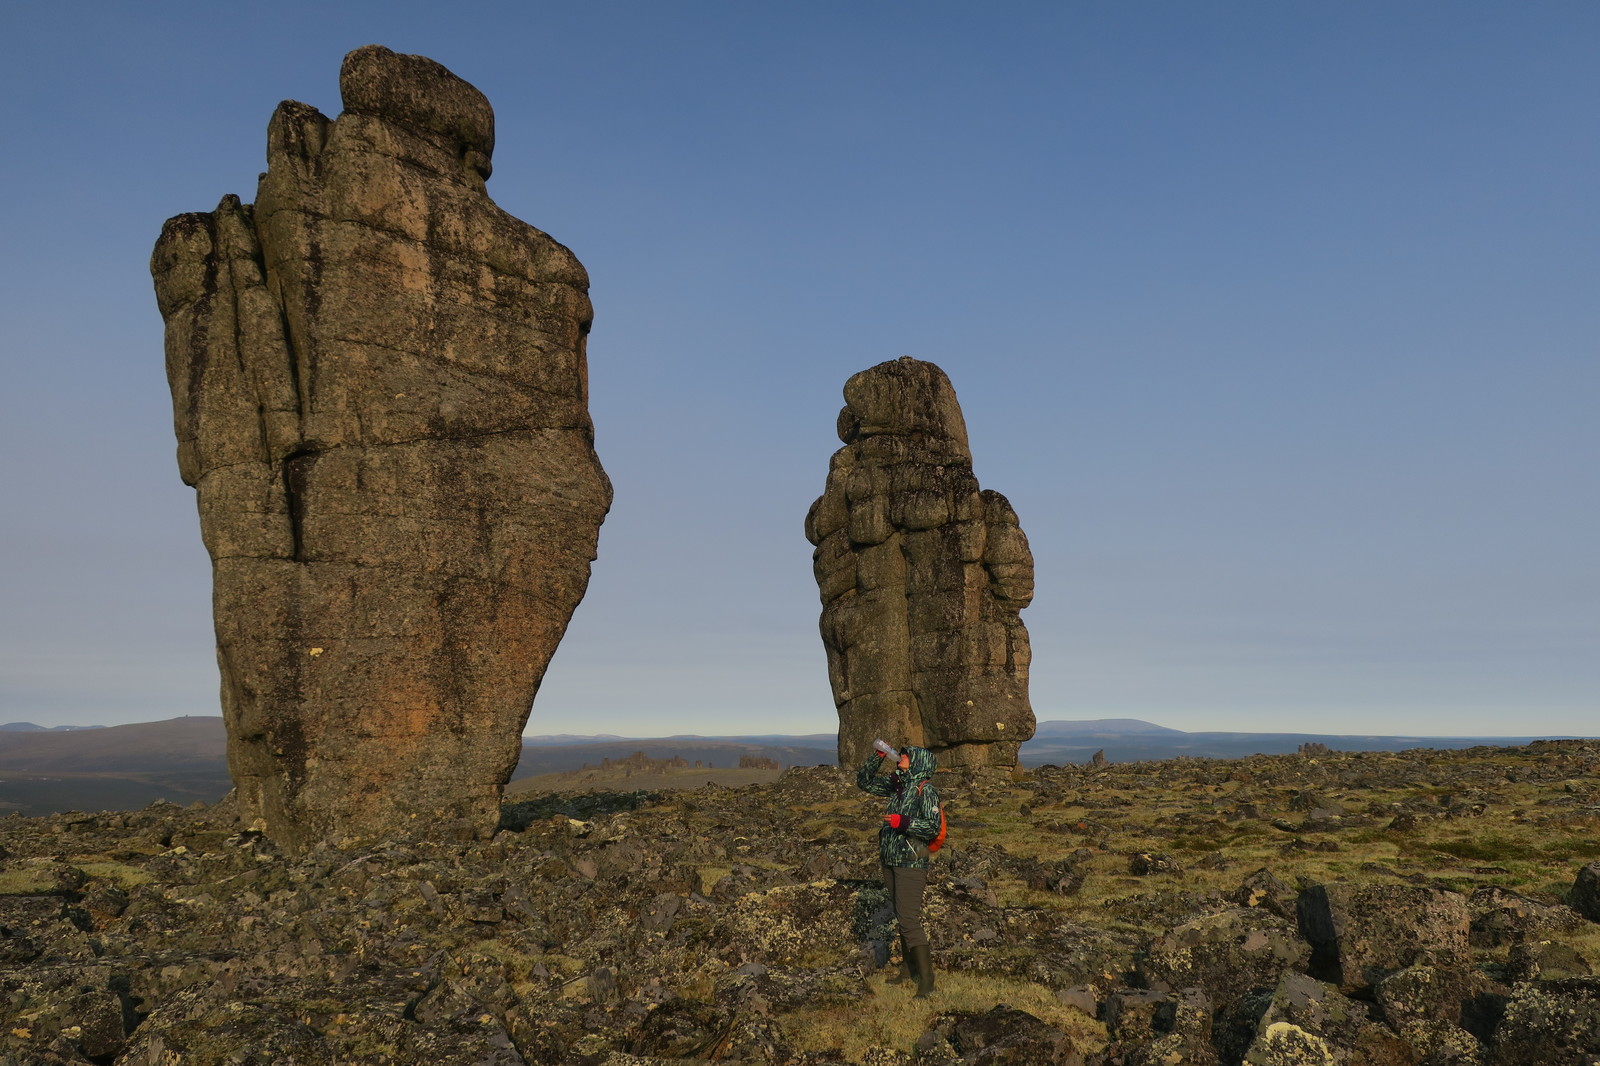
pixel 1423 994
pixel 1501 916
pixel 1585 894
pixel 1552 1023
pixel 1148 1028
pixel 1253 1024
pixel 1286 1044
pixel 1359 933
pixel 922 578
pixel 379 392
pixel 1002 1036
pixel 1144 863
pixel 1548 960
pixel 1136 1015
pixel 1266 890
pixel 1225 955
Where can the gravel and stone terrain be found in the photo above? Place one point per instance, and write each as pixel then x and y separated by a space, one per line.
pixel 1369 909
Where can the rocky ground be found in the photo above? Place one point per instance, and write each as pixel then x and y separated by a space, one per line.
pixel 1373 908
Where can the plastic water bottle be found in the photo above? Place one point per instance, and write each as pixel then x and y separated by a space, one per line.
pixel 884 746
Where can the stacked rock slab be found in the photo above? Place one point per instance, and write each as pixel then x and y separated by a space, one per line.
pixel 922 577
pixel 380 394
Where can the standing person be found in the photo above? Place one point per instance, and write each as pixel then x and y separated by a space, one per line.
pixel 910 821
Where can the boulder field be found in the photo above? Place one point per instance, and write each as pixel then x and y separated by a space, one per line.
pixel 1367 908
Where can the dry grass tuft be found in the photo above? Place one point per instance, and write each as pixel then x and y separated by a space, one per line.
pixel 891 1018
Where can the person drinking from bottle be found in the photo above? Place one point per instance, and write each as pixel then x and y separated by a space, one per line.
pixel 910 821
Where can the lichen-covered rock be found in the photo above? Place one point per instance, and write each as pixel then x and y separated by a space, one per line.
pixel 1148 1028
pixel 380 396
pixel 1286 1044
pixel 1552 1023
pixel 922 578
pixel 1268 891
pixel 1004 1036
pixel 1143 864
pixel 1225 955
pixel 1533 960
pixel 1501 916
pixel 1359 933
pixel 1136 1015
pixel 1442 1013
pixel 1306 1004
pixel 783 925
pixel 1585 894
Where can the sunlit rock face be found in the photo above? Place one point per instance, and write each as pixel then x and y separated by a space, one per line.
pixel 380 395
pixel 922 577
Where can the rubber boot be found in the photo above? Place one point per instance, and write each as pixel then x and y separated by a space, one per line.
pixel 903 974
pixel 921 958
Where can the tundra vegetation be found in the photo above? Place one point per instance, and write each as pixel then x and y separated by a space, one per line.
pixel 1353 908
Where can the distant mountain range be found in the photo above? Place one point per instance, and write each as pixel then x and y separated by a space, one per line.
pixel 29 727
pixel 572 753
pixel 184 759
pixel 121 767
pixel 1131 740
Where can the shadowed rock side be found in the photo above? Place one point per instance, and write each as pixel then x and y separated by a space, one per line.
pixel 380 395
pixel 922 577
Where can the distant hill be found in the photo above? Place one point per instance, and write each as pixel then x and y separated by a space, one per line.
pixel 1131 740
pixel 176 744
pixel 184 759
pixel 1096 727
pixel 569 738
pixel 121 767
pixel 573 753
pixel 29 727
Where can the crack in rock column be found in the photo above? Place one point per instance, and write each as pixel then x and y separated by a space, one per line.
pixel 922 578
pixel 380 395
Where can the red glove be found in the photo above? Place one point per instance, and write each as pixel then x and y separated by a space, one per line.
pixel 894 820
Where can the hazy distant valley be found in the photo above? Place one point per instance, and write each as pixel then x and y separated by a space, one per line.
pixel 182 760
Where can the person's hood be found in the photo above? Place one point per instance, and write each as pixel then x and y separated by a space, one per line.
pixel 922 764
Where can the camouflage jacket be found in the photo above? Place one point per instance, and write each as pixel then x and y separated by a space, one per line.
pixel 918 807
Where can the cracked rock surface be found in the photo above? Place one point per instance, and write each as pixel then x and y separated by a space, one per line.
pixel 380 397
pixel 922 577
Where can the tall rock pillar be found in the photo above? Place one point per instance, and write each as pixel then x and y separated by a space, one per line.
pixel 922 577
pixel 380 395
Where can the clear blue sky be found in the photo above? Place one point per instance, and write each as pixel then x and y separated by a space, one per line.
pixel 1276 322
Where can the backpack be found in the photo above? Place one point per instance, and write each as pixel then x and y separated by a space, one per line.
pixel 944 828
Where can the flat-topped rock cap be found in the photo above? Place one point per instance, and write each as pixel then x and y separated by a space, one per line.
pixel 903 395
pixel 417 92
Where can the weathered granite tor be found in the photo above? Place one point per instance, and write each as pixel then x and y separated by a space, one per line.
pixel 379 385
pixel 922 577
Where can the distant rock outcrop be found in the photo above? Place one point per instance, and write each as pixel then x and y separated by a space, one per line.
pixel 380 394
pixel 922 577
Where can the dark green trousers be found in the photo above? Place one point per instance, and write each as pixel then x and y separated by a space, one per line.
pixel 906 885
